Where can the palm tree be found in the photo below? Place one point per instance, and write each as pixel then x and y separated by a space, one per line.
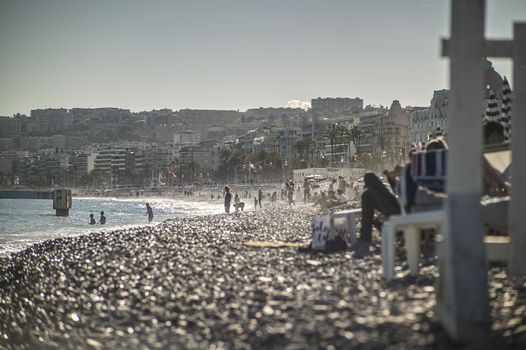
pixel 332 133
pixel 310 148
pixel 301 146
pixel 381 141
pixel 355 134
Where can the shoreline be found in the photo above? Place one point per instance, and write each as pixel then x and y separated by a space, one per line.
pixel 191 283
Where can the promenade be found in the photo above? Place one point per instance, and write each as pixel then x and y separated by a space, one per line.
pixel 190 283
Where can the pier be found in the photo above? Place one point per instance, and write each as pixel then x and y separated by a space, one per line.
pixel 62 198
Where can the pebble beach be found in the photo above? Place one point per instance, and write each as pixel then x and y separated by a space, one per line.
pixel 193 283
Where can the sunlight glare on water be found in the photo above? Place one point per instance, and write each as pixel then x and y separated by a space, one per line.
pixel 26 221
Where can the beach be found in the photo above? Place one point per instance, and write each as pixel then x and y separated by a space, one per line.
pixel 191 283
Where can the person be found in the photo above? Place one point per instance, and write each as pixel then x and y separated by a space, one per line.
pixel 342 184
pixel 274 197
pixel 332 200
pixel 255 202
pixel 260 196
pixel 102 219
pixel 228 199
pixel 378 196
pixel 331 185
pixel 238 204
pixel 321 200
pixel 341 198
pixel 149 212
pixel 92 220
pixel 306 190
pixel 290 192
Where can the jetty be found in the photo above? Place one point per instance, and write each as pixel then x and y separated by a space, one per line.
pixel 62 199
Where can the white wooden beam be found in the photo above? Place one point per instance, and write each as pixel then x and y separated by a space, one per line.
pixel 492 48
pixel 518 153
pixel 463 302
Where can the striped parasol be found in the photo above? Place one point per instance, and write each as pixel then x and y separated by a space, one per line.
pixel 505 111
pixel 492 109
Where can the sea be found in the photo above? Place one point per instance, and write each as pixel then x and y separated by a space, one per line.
pixel 24 222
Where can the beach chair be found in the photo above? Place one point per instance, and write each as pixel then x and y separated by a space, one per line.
pixel 428 169
pixel 494 211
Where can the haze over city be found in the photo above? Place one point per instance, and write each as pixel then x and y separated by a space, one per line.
pixel 226 54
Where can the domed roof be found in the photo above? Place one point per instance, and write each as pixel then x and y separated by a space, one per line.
pixel 493 79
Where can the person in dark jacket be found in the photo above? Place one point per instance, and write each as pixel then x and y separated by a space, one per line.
pixel 228 199
pixel 376 196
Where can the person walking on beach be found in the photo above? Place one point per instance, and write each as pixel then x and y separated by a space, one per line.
pixel 149 212
pixel 306 190
pixel 260 197
pixel 92 220
pixel 290 192
pixel 228 199
pixel 102 219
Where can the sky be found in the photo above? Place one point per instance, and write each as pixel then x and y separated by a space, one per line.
pixel 231 54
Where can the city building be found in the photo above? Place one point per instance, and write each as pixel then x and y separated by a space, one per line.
pixel 9 127
pixel 50 120
pixel 186 138
pixel 425 122
pixel 334 106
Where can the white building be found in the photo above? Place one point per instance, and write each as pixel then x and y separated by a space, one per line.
pixel 427 121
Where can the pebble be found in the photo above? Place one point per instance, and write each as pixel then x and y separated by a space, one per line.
pixel 190 283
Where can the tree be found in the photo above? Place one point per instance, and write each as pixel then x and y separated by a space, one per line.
pixel 355 133
pixel 301 147
pixel 332 134
pixel 381 141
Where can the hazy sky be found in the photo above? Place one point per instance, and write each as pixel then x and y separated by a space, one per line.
pixel 215 54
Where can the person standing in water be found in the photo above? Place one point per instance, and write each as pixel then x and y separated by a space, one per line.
pixel 92 220
pixel 228 199
pixel 149 212
pixel 102 219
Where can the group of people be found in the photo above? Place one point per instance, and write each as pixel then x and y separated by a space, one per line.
pixel 330 200
pixel 102 220
pixel 238 204
pixel 258 199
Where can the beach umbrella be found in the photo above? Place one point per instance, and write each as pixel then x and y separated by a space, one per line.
pixel 492 109
pixel 505 111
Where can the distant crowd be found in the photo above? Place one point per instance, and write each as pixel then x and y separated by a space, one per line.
pixel 334 196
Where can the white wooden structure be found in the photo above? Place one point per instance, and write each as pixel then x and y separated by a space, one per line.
pixel 463 303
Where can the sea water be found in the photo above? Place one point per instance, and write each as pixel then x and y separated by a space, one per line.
pixel 27 221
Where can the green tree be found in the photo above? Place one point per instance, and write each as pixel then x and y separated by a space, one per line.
pixel 332 133
pixel 355 134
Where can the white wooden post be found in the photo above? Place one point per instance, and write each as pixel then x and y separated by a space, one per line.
pixel 463 303
pixel 518 148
